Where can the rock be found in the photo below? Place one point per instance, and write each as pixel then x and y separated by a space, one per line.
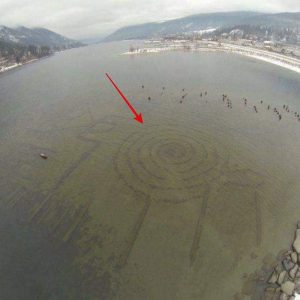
pixel 273 278
pixel 298 274
pixel 284 296
pixel 269 293
pixel 292 298
pixel 298 225
pixel 279 268
pixel 294 257
pixel 293 272
pixel 297 286
pixel 281 277
pixel 281 254
pixel 276 294
pixel 296 244
pixel 288 264
pixel 288 287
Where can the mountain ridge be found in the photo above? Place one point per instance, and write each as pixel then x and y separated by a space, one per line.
pixel 36 36
pixel 205 21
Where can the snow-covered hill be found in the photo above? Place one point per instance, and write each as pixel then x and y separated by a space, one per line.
pixel 35 36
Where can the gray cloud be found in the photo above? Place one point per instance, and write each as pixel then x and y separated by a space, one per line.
pixel 90 18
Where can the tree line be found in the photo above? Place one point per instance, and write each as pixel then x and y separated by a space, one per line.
pixel 19 53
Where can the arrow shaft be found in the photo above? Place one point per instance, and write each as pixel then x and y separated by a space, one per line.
pixel 122 95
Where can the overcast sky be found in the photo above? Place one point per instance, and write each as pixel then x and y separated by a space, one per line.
pixel 82 19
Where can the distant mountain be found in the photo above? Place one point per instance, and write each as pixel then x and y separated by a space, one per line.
pixel 206 21
pixel 36 37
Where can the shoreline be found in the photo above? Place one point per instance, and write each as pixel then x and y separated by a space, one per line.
pixel 281 60
pixel 14 66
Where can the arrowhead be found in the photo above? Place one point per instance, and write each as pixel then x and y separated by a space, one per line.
pixel 139 118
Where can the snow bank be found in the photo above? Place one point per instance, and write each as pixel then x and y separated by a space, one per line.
pixel 260 54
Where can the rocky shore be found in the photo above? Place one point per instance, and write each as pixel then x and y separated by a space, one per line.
pixel 284 282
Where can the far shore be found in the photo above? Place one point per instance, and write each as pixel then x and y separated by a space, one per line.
pixel 16 65
pixel 260 54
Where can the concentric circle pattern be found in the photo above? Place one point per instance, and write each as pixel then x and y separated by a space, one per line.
pixel 169 164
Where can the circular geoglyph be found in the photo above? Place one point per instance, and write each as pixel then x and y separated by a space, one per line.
pixel 169 164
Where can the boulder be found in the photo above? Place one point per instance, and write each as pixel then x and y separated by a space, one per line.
pixel 288 287
pixel 297 286
pixel 279 268
pixel 273 278
pixel 298 274
pixel 269 293
pixel 281 277
pixel 276 294
pixel 287 263
pixel 296 244
pixel 293 272
pixel 283 296
pixel 294 257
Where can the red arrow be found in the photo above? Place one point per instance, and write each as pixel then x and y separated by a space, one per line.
pixel 138 117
